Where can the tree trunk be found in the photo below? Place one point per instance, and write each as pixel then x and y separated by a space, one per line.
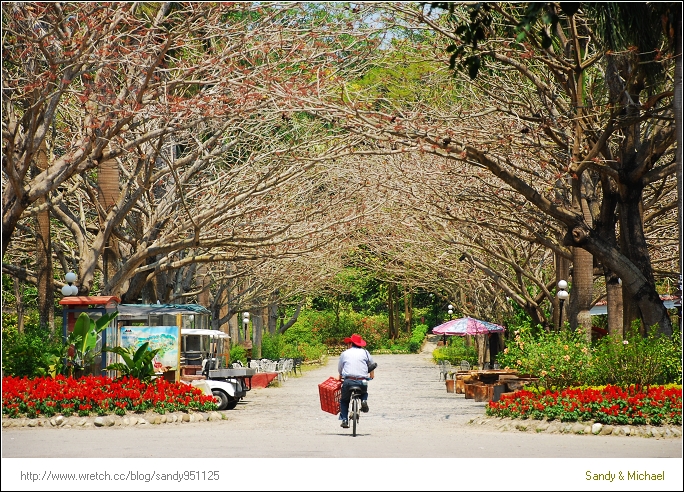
pixel 614 305
pixel 44 273
pixel 582 284
pixel 108 191
pixel 408 310
pixel 203 298
pixel 605 226
pixel 272 318
pixel 283 328
pixel 393 307
pixel 257 331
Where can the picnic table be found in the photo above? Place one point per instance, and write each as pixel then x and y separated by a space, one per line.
pixel 488 384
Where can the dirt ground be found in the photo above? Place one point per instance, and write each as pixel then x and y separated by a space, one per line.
pixel 411 416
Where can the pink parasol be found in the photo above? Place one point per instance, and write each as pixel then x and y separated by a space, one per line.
pixel 467 326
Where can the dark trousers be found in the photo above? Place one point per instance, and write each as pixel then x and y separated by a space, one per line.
pixel 347 384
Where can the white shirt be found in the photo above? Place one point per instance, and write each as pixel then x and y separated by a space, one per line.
pixel 354 363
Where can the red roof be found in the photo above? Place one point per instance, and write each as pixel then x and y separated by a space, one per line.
pixel 89 300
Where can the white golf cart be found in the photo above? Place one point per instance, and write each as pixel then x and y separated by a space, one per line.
pixel 205 349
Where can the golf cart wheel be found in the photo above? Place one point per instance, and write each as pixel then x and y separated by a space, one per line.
pixel 225 401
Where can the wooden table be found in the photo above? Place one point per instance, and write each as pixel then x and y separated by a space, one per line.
pixel 490 376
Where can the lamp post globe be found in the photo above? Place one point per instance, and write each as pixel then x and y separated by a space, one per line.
pixel 70 289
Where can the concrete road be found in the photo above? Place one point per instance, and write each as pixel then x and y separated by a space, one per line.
pixel 411 416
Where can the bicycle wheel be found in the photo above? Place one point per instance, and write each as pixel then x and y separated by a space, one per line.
pixel 355 414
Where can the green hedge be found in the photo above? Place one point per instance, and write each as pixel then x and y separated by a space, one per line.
pixel 455 351
pixel 563 359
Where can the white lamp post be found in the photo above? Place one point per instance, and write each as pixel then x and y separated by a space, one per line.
pixel 70 289
pixel 245 322
pixel 451 310
pixel 562 295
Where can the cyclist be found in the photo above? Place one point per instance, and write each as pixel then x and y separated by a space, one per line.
pixel 355 366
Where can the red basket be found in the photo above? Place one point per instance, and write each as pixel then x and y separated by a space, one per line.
pixel 330 391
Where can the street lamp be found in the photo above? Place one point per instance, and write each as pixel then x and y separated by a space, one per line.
pixel 451 312
pixel 562 295
pixel 245 322
pixel 70 289
pixel 248 343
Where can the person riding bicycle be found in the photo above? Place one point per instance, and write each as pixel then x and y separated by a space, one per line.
pixel 355 366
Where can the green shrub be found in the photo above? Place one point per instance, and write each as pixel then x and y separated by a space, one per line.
pixel 30 353
pixel 238 353
pixel 455 352
pixel 417 336
pixel 272 346
pixel 312 352
pixel 649 360
pixel 566 359
pixel 558 359
pixel 314 331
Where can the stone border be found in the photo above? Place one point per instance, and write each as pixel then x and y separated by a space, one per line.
pixel 579 428
pixel 128 420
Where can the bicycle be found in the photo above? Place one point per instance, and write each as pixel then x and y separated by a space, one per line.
pixel 355 402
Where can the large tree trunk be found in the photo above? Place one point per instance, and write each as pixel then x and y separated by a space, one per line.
pixel 45 287
pixel 678 109
pixel 605 226
pixel 614 305
pixel 582 283
pixel 108 189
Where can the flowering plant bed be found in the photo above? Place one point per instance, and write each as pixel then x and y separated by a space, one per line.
pixel 46 396
pixel 655 405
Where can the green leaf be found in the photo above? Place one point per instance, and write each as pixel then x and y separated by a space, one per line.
pixel 139 353
pixel 125 354
pixel 117 366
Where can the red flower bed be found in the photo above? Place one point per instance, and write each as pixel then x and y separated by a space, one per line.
pixel 655 405
pixel 45 397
